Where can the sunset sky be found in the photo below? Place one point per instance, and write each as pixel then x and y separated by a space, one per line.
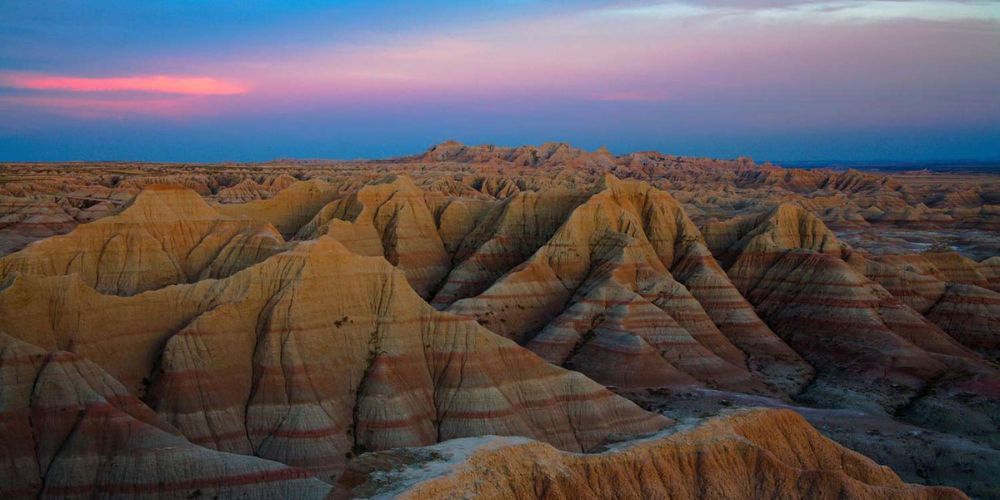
pixel 252 80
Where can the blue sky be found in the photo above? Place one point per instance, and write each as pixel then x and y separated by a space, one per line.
pixel 254 80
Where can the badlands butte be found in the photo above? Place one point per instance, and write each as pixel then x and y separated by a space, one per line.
pixel 498 322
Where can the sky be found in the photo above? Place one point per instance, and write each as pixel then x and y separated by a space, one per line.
pixel 231 80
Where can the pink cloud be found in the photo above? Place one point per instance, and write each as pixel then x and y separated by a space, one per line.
pixel 165 84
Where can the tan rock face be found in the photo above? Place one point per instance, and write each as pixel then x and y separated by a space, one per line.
pixel 390 219
pixel 313 355
pixel 249 334
pixel 504 236
pixel 773 454
pixel 289 209
pixel 167 235
pixel 599 294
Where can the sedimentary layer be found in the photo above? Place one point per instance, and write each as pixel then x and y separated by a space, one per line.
pixel 763 453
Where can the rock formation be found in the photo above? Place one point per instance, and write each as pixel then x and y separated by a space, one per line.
pixel 71 430
pixel 599 288
pixel 763 453
pixel 389 219
pixel 289 209
pixel 167 235
pixel 256 330
pixel 313 355
pixel 866 345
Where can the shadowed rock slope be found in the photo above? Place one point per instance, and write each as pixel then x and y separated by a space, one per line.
pixel 870 349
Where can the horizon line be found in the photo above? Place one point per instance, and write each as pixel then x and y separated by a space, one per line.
pixel 814 162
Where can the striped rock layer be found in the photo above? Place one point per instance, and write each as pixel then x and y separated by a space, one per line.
pixel 958 299
pixel 389 219
pixel 253 189
pixel 24 220
pixel 289 209
pixel 312 356
pixel 70 430
pixel 749 454
pixel 503 237
pixel 196 333
pixel 869 348
pixel 597 294
pixel 167 235
pixel 990 269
